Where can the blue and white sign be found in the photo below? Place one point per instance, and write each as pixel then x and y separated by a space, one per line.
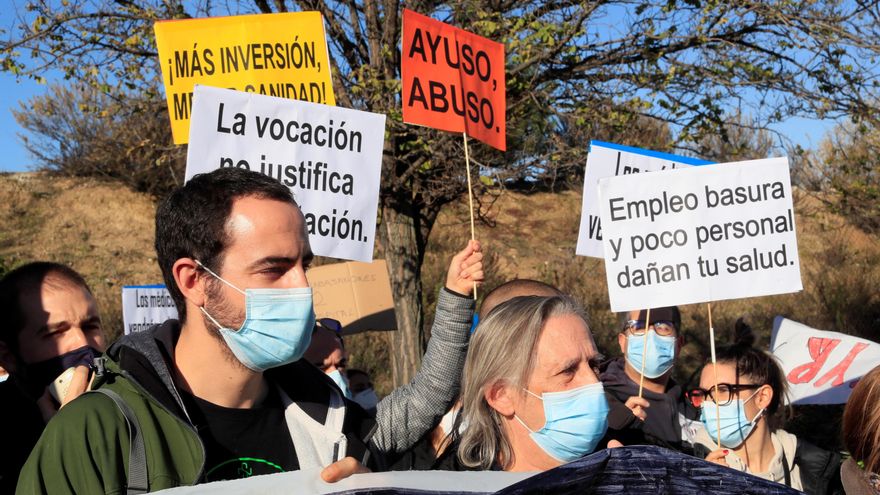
pixel 146 305
pixel 610 160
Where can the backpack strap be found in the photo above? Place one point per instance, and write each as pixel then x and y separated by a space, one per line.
pixel 786 470
pixel 137 458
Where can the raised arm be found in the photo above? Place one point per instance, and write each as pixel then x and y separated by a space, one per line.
pixel 413 409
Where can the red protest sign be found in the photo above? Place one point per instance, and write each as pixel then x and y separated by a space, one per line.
pixel 453 80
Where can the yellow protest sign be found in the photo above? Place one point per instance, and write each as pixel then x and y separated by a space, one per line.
pixel 281 55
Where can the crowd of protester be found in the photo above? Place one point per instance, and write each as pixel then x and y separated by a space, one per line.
pixel 246 381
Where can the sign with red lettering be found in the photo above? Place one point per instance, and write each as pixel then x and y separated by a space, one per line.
pixel 453 80
pixel 821 367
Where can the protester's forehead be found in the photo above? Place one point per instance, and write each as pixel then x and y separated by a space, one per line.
pixel 54 294
pixel 563 339
pixel 262 227
pixel 726 374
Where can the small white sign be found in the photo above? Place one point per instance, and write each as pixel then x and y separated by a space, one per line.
pixel 610 160
pixel 329 157
pixel 699 234
pixel 821 367
pixel 144 306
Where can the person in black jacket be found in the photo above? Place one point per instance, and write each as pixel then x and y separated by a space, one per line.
pixel 742 413
pixel 657 417
pixel 49 338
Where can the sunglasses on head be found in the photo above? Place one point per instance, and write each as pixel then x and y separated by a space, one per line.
pixel 333 325
pixel 330 324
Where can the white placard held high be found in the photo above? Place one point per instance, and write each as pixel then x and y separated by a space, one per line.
pixel 144 306
pixel 699 234
pixel 329 157
pixel 610 160
pixel 821 367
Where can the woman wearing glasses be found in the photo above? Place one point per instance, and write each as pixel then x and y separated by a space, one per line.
pixel 743 410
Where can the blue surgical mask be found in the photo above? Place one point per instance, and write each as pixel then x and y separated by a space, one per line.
pixel 340 380
pixel 367 398
pixel 661 353
pixel 735 427
pixel 574 421
pixel 277 327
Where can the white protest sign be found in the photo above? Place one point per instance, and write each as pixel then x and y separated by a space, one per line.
pixel 329 157
pixel 308 482
pixel 610 160
pixel 144 306
pixel 699 234
pixel 821 367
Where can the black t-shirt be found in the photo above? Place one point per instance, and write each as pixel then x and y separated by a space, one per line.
pixel 240 443
pixel 20 427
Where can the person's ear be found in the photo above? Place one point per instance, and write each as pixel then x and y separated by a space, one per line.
pixel 621 341
pixel 764 397
pixel 679 343
pixel 7 358
pixel 189 281
pixel 499 396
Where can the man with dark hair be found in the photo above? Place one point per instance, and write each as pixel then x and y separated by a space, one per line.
pixel 223 393
pixel 657 418
pixel 50 335
pixel 327 352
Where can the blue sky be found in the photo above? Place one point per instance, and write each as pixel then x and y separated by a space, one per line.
pixel 14 158
pixel 805 132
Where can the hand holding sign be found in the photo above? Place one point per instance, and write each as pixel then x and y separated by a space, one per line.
pixel 698 235
pixel 466 269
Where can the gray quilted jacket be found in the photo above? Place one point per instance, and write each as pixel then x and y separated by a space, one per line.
pixel 415 408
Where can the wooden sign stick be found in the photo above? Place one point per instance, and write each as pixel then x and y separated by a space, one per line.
pixel 644 352
pixel 467 160
pixel 714 369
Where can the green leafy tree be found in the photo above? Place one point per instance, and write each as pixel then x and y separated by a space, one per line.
pixel 571 66
pixel 80 131
pixel 844 173
pixel 740 138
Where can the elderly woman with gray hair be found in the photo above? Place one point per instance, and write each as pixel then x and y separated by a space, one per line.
pixel 531 396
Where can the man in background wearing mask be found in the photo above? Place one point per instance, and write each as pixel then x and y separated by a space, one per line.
pixel 327 352
pixel 655 418
pixel 49 338
pixel 222 393
pixel 362 390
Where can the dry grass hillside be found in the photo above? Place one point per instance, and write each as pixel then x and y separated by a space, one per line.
pixel 105 231
pixel 101 229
